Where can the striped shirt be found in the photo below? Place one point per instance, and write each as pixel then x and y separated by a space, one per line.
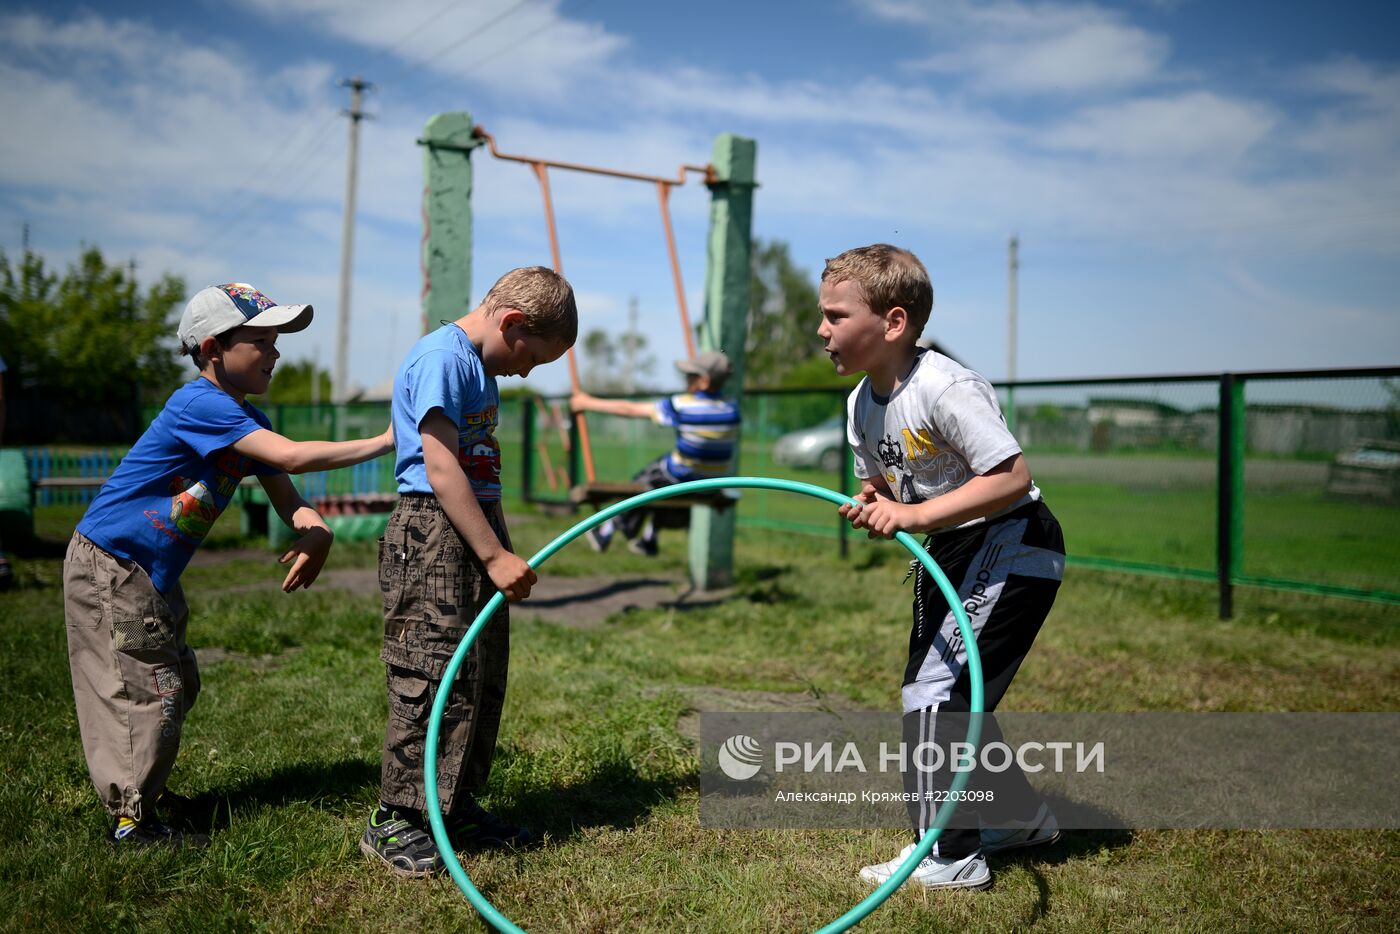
pixel 707 431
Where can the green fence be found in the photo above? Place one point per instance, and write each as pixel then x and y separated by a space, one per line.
pixel 1287 480
pixel 1303 494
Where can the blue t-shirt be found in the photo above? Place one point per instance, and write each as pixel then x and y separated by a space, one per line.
pixel 707 432
pixel 164 496
pixel 444 371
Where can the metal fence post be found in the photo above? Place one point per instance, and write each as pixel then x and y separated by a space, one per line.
pixel 575 452
pixel 527 449
pixel 848 470
pixel 1229 489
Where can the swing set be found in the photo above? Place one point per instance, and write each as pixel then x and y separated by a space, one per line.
pixel 671 513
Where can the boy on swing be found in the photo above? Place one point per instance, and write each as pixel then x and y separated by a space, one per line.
pixel 707 434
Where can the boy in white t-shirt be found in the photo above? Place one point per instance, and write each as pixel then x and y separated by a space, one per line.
pixel 934 455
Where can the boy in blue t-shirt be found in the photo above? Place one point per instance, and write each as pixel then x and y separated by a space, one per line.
pixel 445 553
pixel 134 678
pixel 707 436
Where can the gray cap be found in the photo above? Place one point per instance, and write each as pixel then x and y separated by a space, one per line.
pixel 221 308
pixel 711 363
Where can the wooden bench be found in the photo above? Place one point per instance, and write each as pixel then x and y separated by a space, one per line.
pixel 670 513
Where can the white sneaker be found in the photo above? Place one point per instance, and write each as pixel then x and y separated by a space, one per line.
pixel 598 539
pixel 936 872
pixel 1041 829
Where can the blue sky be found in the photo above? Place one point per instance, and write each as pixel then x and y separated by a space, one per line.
pixel 1196 186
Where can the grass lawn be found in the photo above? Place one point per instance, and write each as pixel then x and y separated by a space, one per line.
pixel 283 747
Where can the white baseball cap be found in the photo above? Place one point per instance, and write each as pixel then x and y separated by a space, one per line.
pixel 221 308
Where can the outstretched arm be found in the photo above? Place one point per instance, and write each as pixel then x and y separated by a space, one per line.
pixel 309 552
pixel 300 456
pixel 583 402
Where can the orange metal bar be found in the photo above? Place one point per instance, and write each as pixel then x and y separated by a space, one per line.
pixel 542 173
pixel 663 192
pixel 706 170
pixel 548 466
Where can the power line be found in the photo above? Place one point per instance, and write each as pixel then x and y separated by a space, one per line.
pixel 299 161
pixel 481 63
pixel 419 28
pixel 456 43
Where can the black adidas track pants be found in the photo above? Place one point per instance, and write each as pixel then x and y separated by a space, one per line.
pixel 1007 573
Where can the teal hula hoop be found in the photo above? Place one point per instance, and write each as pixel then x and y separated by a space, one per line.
pixel 870 902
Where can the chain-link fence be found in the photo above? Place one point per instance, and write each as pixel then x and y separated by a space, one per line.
pixel 1303 493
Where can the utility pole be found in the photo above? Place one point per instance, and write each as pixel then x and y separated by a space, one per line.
pixel 1012 265
pixel 357 86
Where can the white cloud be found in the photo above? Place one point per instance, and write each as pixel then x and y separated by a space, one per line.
pixel 159 163
pixel 1010 47
pixel 535 50
pixel 1175 129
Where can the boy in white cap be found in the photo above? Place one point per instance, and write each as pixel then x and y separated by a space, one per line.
pixel 134 678
pixel 707 434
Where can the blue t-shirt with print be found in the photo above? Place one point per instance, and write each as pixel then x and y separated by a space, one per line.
pixel 164 496
pixel 444 371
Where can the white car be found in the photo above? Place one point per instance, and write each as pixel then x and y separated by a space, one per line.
pixel 822 446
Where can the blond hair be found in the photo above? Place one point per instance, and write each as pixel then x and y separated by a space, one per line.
pixel 889 277
pixel 543 296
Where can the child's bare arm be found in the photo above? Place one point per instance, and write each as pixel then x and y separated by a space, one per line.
pixel 309 552
pixel 583 402
pixel 982 495
pixel 300 456
pixel 511 574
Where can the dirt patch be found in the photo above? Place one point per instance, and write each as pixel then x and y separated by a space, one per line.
pixel 215 556
pixel 702 699
pixel 579 602
pixel 358 581
pixel 587 602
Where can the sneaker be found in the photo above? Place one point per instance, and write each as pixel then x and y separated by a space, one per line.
pixel 474 826
pixel 401 843
pixel 1041 829
pixel 129 833
pixel 936 872
pixel 646 547
pixel 599 539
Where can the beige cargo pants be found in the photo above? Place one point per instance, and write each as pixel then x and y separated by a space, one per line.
pixel 134 679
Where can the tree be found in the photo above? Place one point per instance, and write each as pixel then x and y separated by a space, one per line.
pixel 605 361
pixel 291 383
pixel 89 336
pixel 782 333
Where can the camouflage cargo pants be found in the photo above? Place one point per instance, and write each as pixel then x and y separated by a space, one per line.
pixel 433 588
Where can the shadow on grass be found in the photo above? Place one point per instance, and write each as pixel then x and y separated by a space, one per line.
pixel 1073 845
pixel 615 796
pixel 320 782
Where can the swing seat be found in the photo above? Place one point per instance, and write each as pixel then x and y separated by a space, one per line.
pixel 672 513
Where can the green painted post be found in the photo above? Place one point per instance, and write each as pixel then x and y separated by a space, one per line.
pixel 446 252
pixel 725 327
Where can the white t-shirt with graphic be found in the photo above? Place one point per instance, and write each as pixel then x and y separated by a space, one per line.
pixel 939 428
